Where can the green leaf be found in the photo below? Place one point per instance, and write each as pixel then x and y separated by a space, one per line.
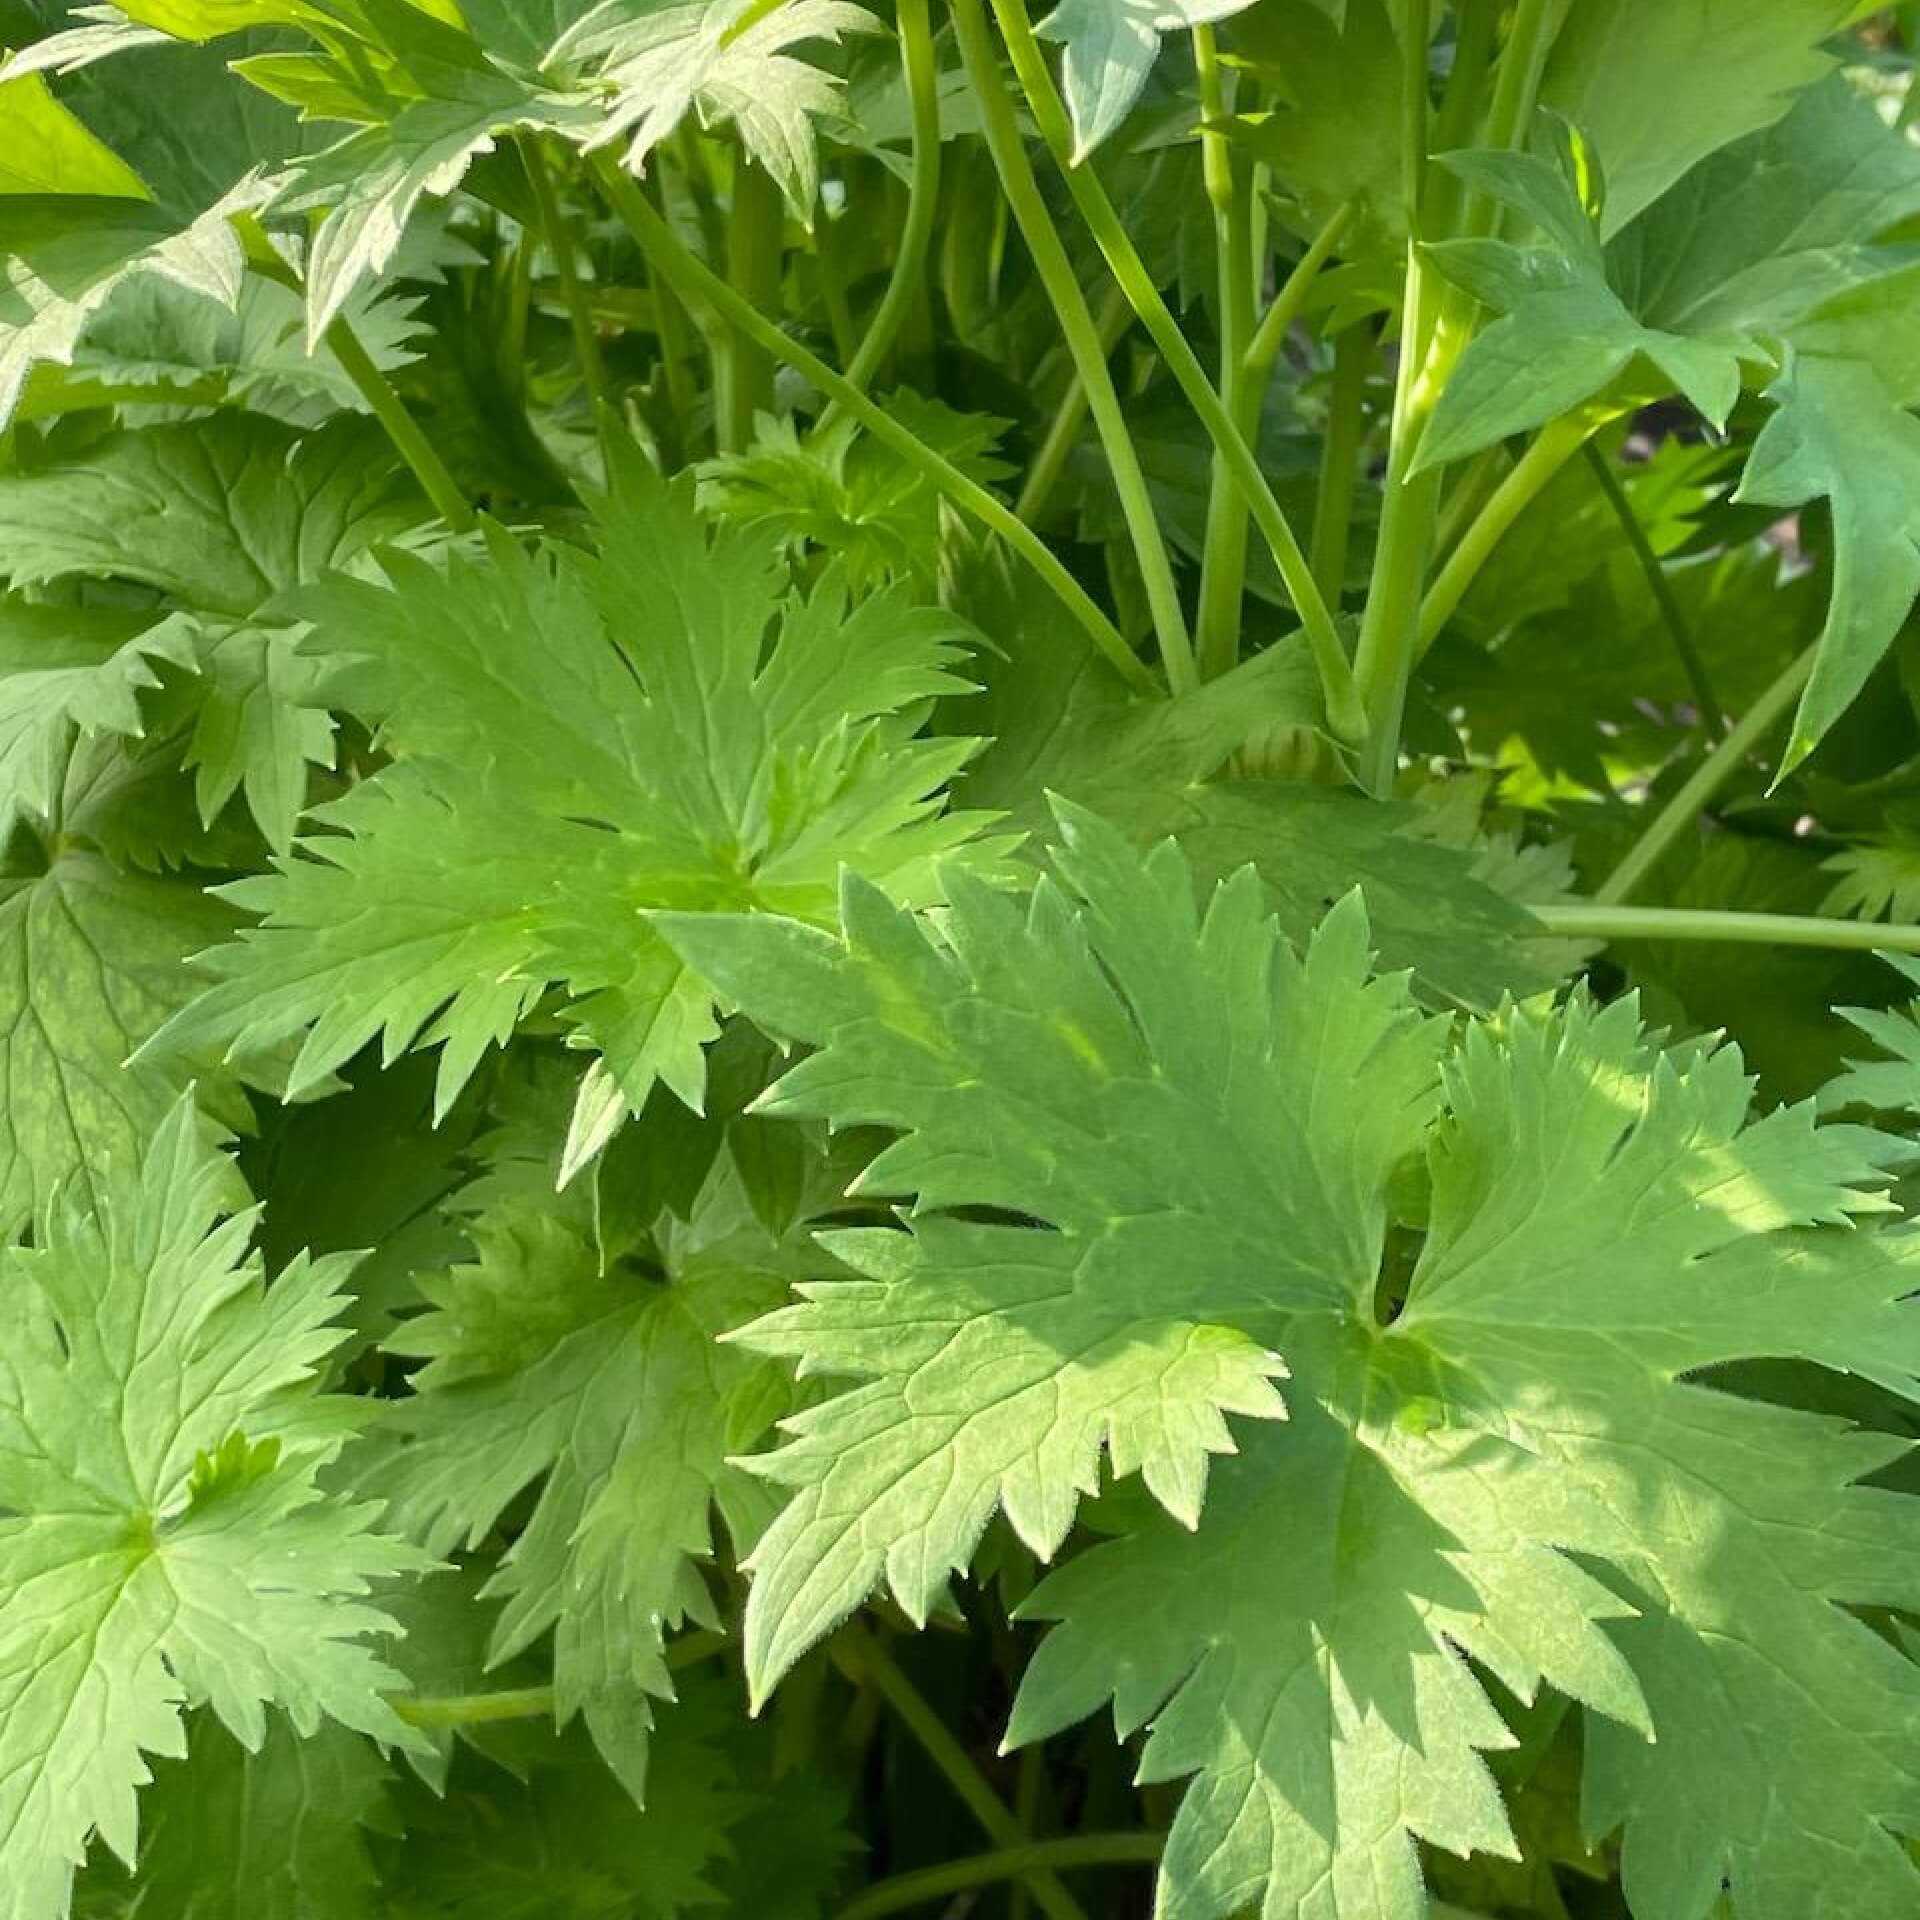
pixel 1064 725
pixel 1763 255
pixel 1891 1083
pixel 1334 135
pixel 1109 47
pixel 1612 69
pixel 670 761
pixel 230 1835
pixel 1837 434
pixel 1745 250
pixel 165 1539
pixel 64 255
pixel 605 1385
pixel 224 516
pixel 727 61
pixel 65 670
pixel 155 340
pixel 1068 1064
pixel 566 1843
pixel 92 961
pixel 49 151
pixel 1496 1448
pixel 367 186
pixel 847 494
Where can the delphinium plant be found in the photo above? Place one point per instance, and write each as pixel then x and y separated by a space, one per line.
pixel 958 961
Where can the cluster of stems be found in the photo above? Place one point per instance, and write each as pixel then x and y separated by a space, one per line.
pixel 1438 527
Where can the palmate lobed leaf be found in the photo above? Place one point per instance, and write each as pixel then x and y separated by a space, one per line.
pixel 1763 262
pixel 162 1536
pixel 1505 1453
pixel 605 1384
pixel 673 759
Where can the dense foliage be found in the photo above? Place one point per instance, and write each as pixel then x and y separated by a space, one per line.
pixel 959 963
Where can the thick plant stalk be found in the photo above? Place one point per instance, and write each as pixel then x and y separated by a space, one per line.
pixel 1434 329
pixel 1389 629
pixel 1712 774
pixel 700 284
pixel 744 372
pixel 1110 235
pixel 1051 262
pixel 908 280
pixel 1006 1863
pixel 862 1658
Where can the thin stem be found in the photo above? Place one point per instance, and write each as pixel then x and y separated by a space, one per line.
pixel 1229 187
pixel 1029 1784
pixel 1552 448
pixel 409 442
pixel 1005 1863
pixel 586 342
pixel 1713 719
pixel 1597 922
pixel 674 329
pixel 1340 459
pixel 1467 492
pixel 1709 777
pixel 862 1658
pixel 908 282
pixel 471 1709
pixel 1063 430
pixel 744 385
pixel 698 282
pixel 1111 236
pixel 1277 322
pixel 1049 254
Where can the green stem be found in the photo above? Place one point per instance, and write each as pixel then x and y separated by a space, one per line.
pixel 675 330
pixel 1063 430
pixel 745 373
pixel 403 430
pixel 862 1658
pixel 1005 1863
pixel 1516 86
pixel 1111 236
pixel 1713 773
pixel 1277 322
pixel 472 1709
pixel 1434 329
pixel 1474 25
pixel 1744 929
pixel 586 342
pixel 1049 254
pixel 1552 448
pixel 1223 565
pixel 1389 629
pixel 1467 492
pixel 699 283
pixel 908 282
pixel 1340 460
pixel 1713 719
